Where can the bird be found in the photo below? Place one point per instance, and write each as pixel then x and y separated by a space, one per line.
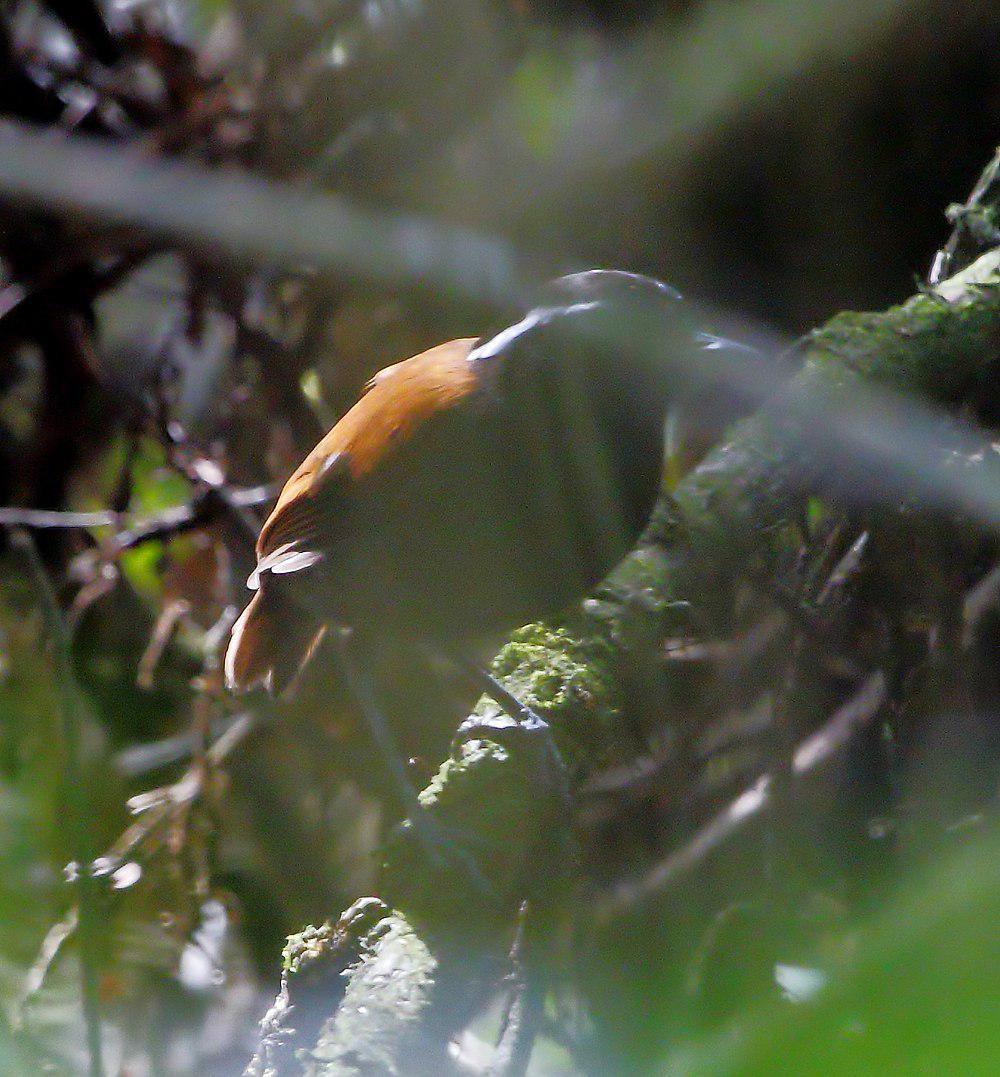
pixel 480 485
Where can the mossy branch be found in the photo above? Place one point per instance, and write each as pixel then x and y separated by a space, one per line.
pixel 412 980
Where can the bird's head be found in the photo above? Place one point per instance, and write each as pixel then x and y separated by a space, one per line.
pixel 634 332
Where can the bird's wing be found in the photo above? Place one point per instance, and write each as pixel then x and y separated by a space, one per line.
pixel 275 636
pixel 399 398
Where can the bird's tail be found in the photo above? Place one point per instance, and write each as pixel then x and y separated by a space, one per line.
pixel 271 642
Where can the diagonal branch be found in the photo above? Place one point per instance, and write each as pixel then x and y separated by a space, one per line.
pixel 206 507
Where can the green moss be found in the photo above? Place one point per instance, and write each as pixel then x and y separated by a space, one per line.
pixel 305 946
pixel 926 345
pixel 473 877
pixel 738 505
pixel 395 972
pixel 569 678
pixel 551 669
pixel 388 993
pixel 444 789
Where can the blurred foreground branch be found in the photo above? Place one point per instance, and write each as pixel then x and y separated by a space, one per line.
pixel 77 804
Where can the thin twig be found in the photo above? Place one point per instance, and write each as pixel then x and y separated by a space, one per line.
pixel 171 521
pixel 44 519
pixel 944 260
pixel 139 759
pixel 158 807
pixel 57 934
pixel 520 1021
pixel 813 751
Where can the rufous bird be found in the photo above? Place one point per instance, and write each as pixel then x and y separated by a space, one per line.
pixel 479 485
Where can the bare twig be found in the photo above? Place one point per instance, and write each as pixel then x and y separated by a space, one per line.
pixel 520 1020
pixel 139 759
pixel 42 519
pixel 964 217
pixel 57 934
pixel 160 808
pixel 811 752
pixel 163 630
pixel 172 521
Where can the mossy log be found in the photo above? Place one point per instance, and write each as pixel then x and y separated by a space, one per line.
pixel 407 975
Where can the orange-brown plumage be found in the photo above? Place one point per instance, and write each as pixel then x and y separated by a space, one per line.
pixel 473 487
pixel 396 401
pixel 271 641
